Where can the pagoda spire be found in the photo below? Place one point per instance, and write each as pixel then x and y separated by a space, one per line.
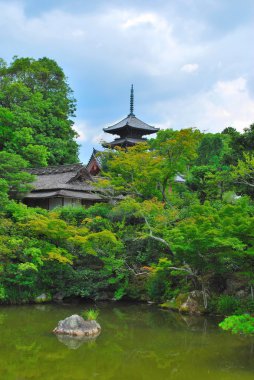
pixel 130 130
pixel 132 101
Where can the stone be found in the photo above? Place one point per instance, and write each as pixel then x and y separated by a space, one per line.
pixel 241 294
pixel 234 284
pixel 43 298
pixel 190 306
pixel 77 326
pixel 58 297
pixel 170 305
pixel 191 303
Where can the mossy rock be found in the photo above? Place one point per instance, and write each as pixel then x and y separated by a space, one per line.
pixel 171 305
pixel 180 299
pixel 44 297
pixel 191 303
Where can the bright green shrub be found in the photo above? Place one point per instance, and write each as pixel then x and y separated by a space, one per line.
pixel 91 314
pixel 239 324
pixel 72 215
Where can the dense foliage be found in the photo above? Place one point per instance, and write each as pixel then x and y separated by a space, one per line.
pixel 239 324
pixel 36 107
pixel 165 239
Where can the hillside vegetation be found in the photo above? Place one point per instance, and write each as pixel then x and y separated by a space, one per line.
pixel 162 242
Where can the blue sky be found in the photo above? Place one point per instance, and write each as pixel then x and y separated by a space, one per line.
pixel 191 61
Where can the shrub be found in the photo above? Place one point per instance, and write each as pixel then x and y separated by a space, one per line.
pixel 72 215
pixel 159 287
pixel 239 324
pixel 246 306
pixel 2 293
pixel 91 314
pixel 227 305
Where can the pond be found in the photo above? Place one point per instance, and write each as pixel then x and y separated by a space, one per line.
pixel 137 342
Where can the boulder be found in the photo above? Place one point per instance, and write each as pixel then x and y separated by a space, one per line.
pixel 235 284
pixel 43 298
pixel 191 303
pixel 58 297
pixel 242 293
pixel 171 305
pixel 77 326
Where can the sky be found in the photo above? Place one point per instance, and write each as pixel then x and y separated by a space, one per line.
pixel 191 61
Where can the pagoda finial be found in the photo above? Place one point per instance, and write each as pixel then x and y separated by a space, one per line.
pixel 132 101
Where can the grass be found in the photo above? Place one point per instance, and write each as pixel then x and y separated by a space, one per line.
pixel 90 314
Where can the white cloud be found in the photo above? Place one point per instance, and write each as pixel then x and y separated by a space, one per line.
pixel 122 39
pixel 230 88
pixel 91 134
pixel 106 48
pixel 82 129
pixel 149 19
pixel 190 67
pixel 226 103
pixel 229 104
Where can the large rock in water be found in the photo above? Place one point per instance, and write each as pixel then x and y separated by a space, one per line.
pixel 77 326
pixel 191 303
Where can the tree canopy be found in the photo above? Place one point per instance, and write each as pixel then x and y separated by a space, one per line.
pixel 36 111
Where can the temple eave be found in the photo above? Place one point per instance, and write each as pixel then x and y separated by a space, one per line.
pixel 123 142
pixel 133 123
pixel 119 131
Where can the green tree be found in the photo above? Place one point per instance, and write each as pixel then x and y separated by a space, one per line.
pixel 210 182
pixel 37 107
pixel 212 149
pixel 3 193
pixel 177 150
pixel 243 172
pixel 12 170
pixel 126 170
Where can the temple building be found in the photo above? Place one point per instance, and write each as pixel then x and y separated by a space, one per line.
pixel 94 164
pixel 76 184
pixel 130 130
pixel 64 185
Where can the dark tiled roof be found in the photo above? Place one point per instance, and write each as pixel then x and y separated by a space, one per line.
pixel 56 169
pixel 124 141
pixel 59 179
pixel 131 121
pixel 64 193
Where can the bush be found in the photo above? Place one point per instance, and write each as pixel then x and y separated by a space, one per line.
pixel 159 287
pixel 246 306
pixel 227 305
pixel 91 314
pixel 75 215
pixel 239 324
pixel 72 215
pixel 2 293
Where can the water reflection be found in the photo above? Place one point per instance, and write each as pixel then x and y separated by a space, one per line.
pixel 74 342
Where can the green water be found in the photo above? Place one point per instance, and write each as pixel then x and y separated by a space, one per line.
pixel 137 342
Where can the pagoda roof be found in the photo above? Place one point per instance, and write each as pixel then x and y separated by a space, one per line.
pixel 133 122
pixel 125 141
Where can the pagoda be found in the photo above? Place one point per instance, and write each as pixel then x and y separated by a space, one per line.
pixel 130 130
